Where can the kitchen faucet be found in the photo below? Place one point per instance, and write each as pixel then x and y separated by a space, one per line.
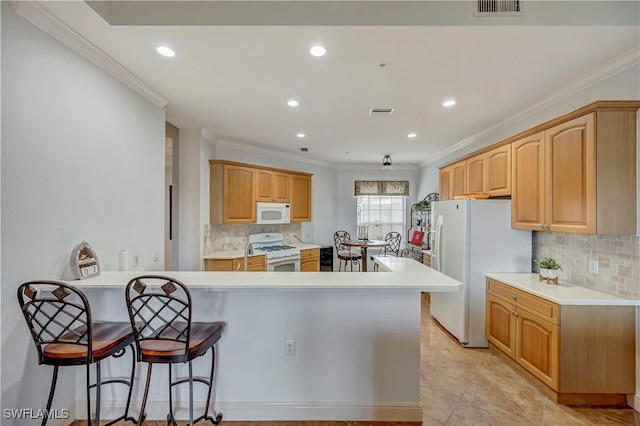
pixel 247 251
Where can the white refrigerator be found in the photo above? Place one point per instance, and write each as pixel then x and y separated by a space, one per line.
pixel 471 238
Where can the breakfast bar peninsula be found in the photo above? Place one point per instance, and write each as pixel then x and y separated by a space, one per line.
pixel 296 345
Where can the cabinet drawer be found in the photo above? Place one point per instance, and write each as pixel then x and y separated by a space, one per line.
pixel 541 306
pixel 254 263
pixel 309 253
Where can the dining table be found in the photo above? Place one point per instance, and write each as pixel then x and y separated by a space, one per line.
pixel 364 245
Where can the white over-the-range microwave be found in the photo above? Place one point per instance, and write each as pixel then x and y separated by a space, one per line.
pixel 273 213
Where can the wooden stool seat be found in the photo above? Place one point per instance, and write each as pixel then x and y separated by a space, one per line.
pixel 108 338
pixel 203 337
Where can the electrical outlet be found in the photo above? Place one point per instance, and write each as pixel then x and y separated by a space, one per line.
pixel 136 260
pixel 290 347
pixel 156 255
pixel 593 266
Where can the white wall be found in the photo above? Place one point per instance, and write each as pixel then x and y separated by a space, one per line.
pixel 82 159
pixel 193 197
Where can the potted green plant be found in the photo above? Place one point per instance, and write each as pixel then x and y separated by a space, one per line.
pixel 421 205
pixel 548 267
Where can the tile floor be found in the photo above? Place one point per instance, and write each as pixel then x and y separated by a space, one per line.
pixel 472 387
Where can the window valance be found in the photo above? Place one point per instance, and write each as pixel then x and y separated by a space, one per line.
pixel 381 187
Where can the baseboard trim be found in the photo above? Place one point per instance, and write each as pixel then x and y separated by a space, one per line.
pixel 244 411
pixel 634 401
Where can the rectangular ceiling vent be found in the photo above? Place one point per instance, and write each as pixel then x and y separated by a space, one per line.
pixel 381 111
pixel 497 8
pixel 304 149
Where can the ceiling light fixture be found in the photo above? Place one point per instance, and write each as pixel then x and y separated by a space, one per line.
pixel 293 103
pixel 386 162
pixel 412 135
pixel 301 135
pixel 317 50
pixel 448 103
pixel 165 51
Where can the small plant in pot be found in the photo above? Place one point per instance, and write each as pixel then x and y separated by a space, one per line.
pixel 548 267
pixel 421 205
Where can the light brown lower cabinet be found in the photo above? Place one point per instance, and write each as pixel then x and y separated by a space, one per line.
pixel 426 259
pixel 255 264
pixel 575 354
pixel 310 260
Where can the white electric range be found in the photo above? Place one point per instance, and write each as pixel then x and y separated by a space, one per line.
pixel 279 257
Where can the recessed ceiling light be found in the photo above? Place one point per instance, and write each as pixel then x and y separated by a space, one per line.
pixel 301 135
pixel 165 51
pixel 317 51
pixel 293 103
pixel 449 103
pixel 412 135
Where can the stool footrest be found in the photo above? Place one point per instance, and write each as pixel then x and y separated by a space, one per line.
pixel 204 380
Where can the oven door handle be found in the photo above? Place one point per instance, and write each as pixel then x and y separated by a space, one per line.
pixel 282 259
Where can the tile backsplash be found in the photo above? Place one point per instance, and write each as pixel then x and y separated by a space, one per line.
pixel 234 237
pixel 618 259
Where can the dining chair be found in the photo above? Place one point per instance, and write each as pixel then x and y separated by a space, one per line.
pixel 160 311
pixel 59 318
pixel 394 239
pixel 343 252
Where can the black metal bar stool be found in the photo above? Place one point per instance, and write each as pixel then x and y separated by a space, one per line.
pixel 64 335
pixel 394 239
pixel 160 312
pixel 344 253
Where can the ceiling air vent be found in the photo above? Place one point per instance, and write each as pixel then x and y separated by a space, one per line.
pixel 497 8
pixel 381 111
pixel 304 149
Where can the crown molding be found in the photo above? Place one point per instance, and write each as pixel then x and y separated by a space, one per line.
pixel 270 151
pixel 621 63
pixel 39 16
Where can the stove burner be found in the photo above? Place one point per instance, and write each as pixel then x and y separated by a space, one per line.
pixel 273 248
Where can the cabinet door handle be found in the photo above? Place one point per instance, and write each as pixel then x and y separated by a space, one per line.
pixel 513 313
pixel 514 297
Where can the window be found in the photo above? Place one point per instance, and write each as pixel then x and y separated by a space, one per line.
pixel 382 213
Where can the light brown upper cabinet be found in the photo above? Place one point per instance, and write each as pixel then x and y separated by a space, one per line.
pixel 452 180
pixel 475 174
pixel 578 176
pixel 490 172
pixel 458 181
pixel 300 198
pixel 445 184
pixel 528 192
pixel 554 175
pixel 272 186
pixel 232 193
pixel 497 171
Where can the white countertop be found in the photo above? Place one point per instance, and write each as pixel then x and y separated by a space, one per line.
pixel 233 254
pixel 427 252
pixel 563 293
pixel 404 274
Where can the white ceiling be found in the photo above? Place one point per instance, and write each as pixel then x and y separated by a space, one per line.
pixel 234 81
